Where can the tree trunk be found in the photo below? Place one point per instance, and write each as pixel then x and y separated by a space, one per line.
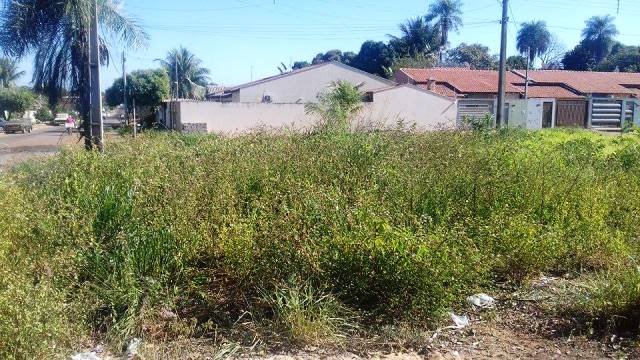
pixel 81 57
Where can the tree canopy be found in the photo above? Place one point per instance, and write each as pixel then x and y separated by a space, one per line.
pixel 9 72
pixel 55 32
pixel 533 38
pixel 599 35
pixel 147 87
pixel 187 71
pixel 475 56
pixel 447 15
pixel 598 40
pixel 15 101
pixel 516 62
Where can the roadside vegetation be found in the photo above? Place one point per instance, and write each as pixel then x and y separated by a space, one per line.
pixel 307 237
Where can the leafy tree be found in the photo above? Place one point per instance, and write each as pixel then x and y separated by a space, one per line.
pixel 581 58
pixel 448 17
pixel 534 38
pixel 516 62
pixel 44 115
pixel 15 100
pixel 300 65
pixel 623 59
pixel 420 61
pixel 418 37
pixel 331 55
pixel 348 57
pixel 9 72
pixel 599 35
pixel 147 87
pixel 374 57
pixel 337 106
pixel 56 32
pixel 191 78
pixel 476 56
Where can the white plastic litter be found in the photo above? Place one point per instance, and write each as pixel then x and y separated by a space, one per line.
pixel 460 321
pixel 86 356
pixel 482 301
pixel 133 348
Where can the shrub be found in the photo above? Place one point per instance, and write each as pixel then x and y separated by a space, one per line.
pixel 611 300
pixel 307 315
pixel 44 115
pixel 393 224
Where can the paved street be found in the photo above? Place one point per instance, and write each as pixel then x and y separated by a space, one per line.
pixel 44 140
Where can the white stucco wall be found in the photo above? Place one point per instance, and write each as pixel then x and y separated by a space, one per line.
pixel 236 118
pixel 409 105
pixel 304 86
pixel 412 106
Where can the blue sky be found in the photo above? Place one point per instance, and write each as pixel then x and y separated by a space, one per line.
pixel 238 38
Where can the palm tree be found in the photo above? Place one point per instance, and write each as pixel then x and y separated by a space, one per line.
pixel 448 16
pixel 418 37
pixel 9 72
pixel 533 38
pixel 57 33
pixel 599 35
pixel 337 106
pixel 186 70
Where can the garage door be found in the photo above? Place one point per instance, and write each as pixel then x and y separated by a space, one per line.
pixel 474 109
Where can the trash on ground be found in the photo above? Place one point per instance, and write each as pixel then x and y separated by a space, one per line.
pixel 133 348
pixel 460 321
pixel 166 314
pixel 92 355
pixel 482 301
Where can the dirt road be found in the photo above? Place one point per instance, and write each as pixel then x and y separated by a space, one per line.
pixel 44 140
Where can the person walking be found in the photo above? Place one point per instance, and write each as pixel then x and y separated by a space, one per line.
pixel 70 124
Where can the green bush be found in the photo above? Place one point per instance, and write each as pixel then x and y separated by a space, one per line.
pixel 44 115
pixel 391 224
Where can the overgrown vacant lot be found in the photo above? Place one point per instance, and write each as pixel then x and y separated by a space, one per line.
pixel 308 239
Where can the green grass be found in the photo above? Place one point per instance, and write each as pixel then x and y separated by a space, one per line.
pixel 388 226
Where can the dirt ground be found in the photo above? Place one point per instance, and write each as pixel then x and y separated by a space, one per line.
pixel 521 325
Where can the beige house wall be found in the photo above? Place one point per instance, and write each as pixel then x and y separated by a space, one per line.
pixel 304 86
pixel 411 106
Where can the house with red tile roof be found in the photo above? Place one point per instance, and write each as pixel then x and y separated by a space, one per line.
pixel 568 98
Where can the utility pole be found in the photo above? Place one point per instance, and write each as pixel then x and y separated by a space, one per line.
pixel 124 93
pixel 526 77
pixel 177 81
pixel 97 128
pixel 135 124
pixel 500 113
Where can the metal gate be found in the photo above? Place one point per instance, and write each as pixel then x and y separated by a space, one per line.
pixel 474 109
pixel 571 113
pixel 607 113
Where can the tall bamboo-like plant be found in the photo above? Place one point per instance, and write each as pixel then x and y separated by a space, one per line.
pixel 57 34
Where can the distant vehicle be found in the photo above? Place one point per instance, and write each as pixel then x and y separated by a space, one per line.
pixel 60 119
pixel 14 126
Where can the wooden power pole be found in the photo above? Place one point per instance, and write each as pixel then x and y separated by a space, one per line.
pixel 95 118
pixel 500 113
pixel 124 88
